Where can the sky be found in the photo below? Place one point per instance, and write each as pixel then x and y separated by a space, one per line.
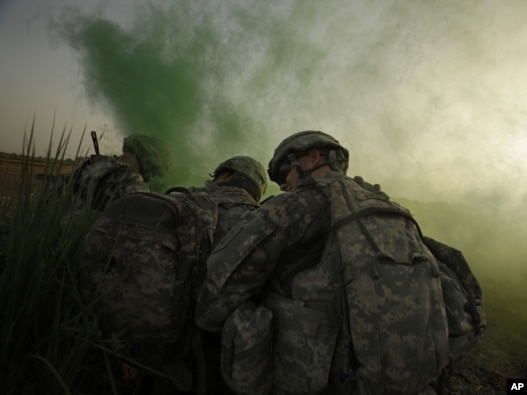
pixel 430 97
pixel 40 76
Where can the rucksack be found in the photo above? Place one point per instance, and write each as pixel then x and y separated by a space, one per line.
pixel 463 298
pixel 142 265
pixel 142 261
pixel 414 306
pixel 102 179
pixel 364 307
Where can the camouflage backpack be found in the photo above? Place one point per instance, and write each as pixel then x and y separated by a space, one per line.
pixel 141 263
pixel 413 304
pixel 463 298
pixel 102 179
pixel 374 311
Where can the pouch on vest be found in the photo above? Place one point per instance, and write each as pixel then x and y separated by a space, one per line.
pixel 303 344
pixel 247 349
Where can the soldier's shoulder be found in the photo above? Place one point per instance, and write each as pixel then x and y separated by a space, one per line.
pixel 232 195
pixel 99 165
pixel 293 204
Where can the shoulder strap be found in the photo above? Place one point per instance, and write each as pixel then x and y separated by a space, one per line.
pixel 366 212
pixel 358 215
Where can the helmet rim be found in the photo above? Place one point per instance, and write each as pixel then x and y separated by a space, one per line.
pixel 249 167
pixel 301 142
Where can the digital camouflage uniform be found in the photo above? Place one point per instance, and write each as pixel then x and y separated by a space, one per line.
pixel 282 246
pixel 102 179
pixel 236 272
pixel 232 203
pixel 144 288
pixel 303 281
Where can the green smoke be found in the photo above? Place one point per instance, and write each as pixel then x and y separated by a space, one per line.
pixel 162 76
pixel 426 94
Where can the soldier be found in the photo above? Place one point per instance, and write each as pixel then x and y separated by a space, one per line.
pixel 143 263
pixel 147 155
pixel 231 181
pixel 102 179
pixel 327 288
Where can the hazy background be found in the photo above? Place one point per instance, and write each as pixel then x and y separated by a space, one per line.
pixel 430 97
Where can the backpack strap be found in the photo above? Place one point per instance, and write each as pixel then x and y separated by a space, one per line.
pixel 357 215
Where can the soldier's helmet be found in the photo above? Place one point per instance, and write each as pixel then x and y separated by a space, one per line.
pixel 251 169
pixel 152 155
pixel 338 156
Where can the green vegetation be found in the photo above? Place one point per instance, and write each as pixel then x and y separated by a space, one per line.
pixel 48 336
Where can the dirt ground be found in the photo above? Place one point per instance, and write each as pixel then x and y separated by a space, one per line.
pixel 475 374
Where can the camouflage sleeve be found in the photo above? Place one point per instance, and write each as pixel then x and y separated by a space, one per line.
pixel 243 261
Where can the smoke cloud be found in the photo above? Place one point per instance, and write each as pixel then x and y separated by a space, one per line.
pixel 428 96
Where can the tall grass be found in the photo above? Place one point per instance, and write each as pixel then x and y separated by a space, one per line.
pixel 46 333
